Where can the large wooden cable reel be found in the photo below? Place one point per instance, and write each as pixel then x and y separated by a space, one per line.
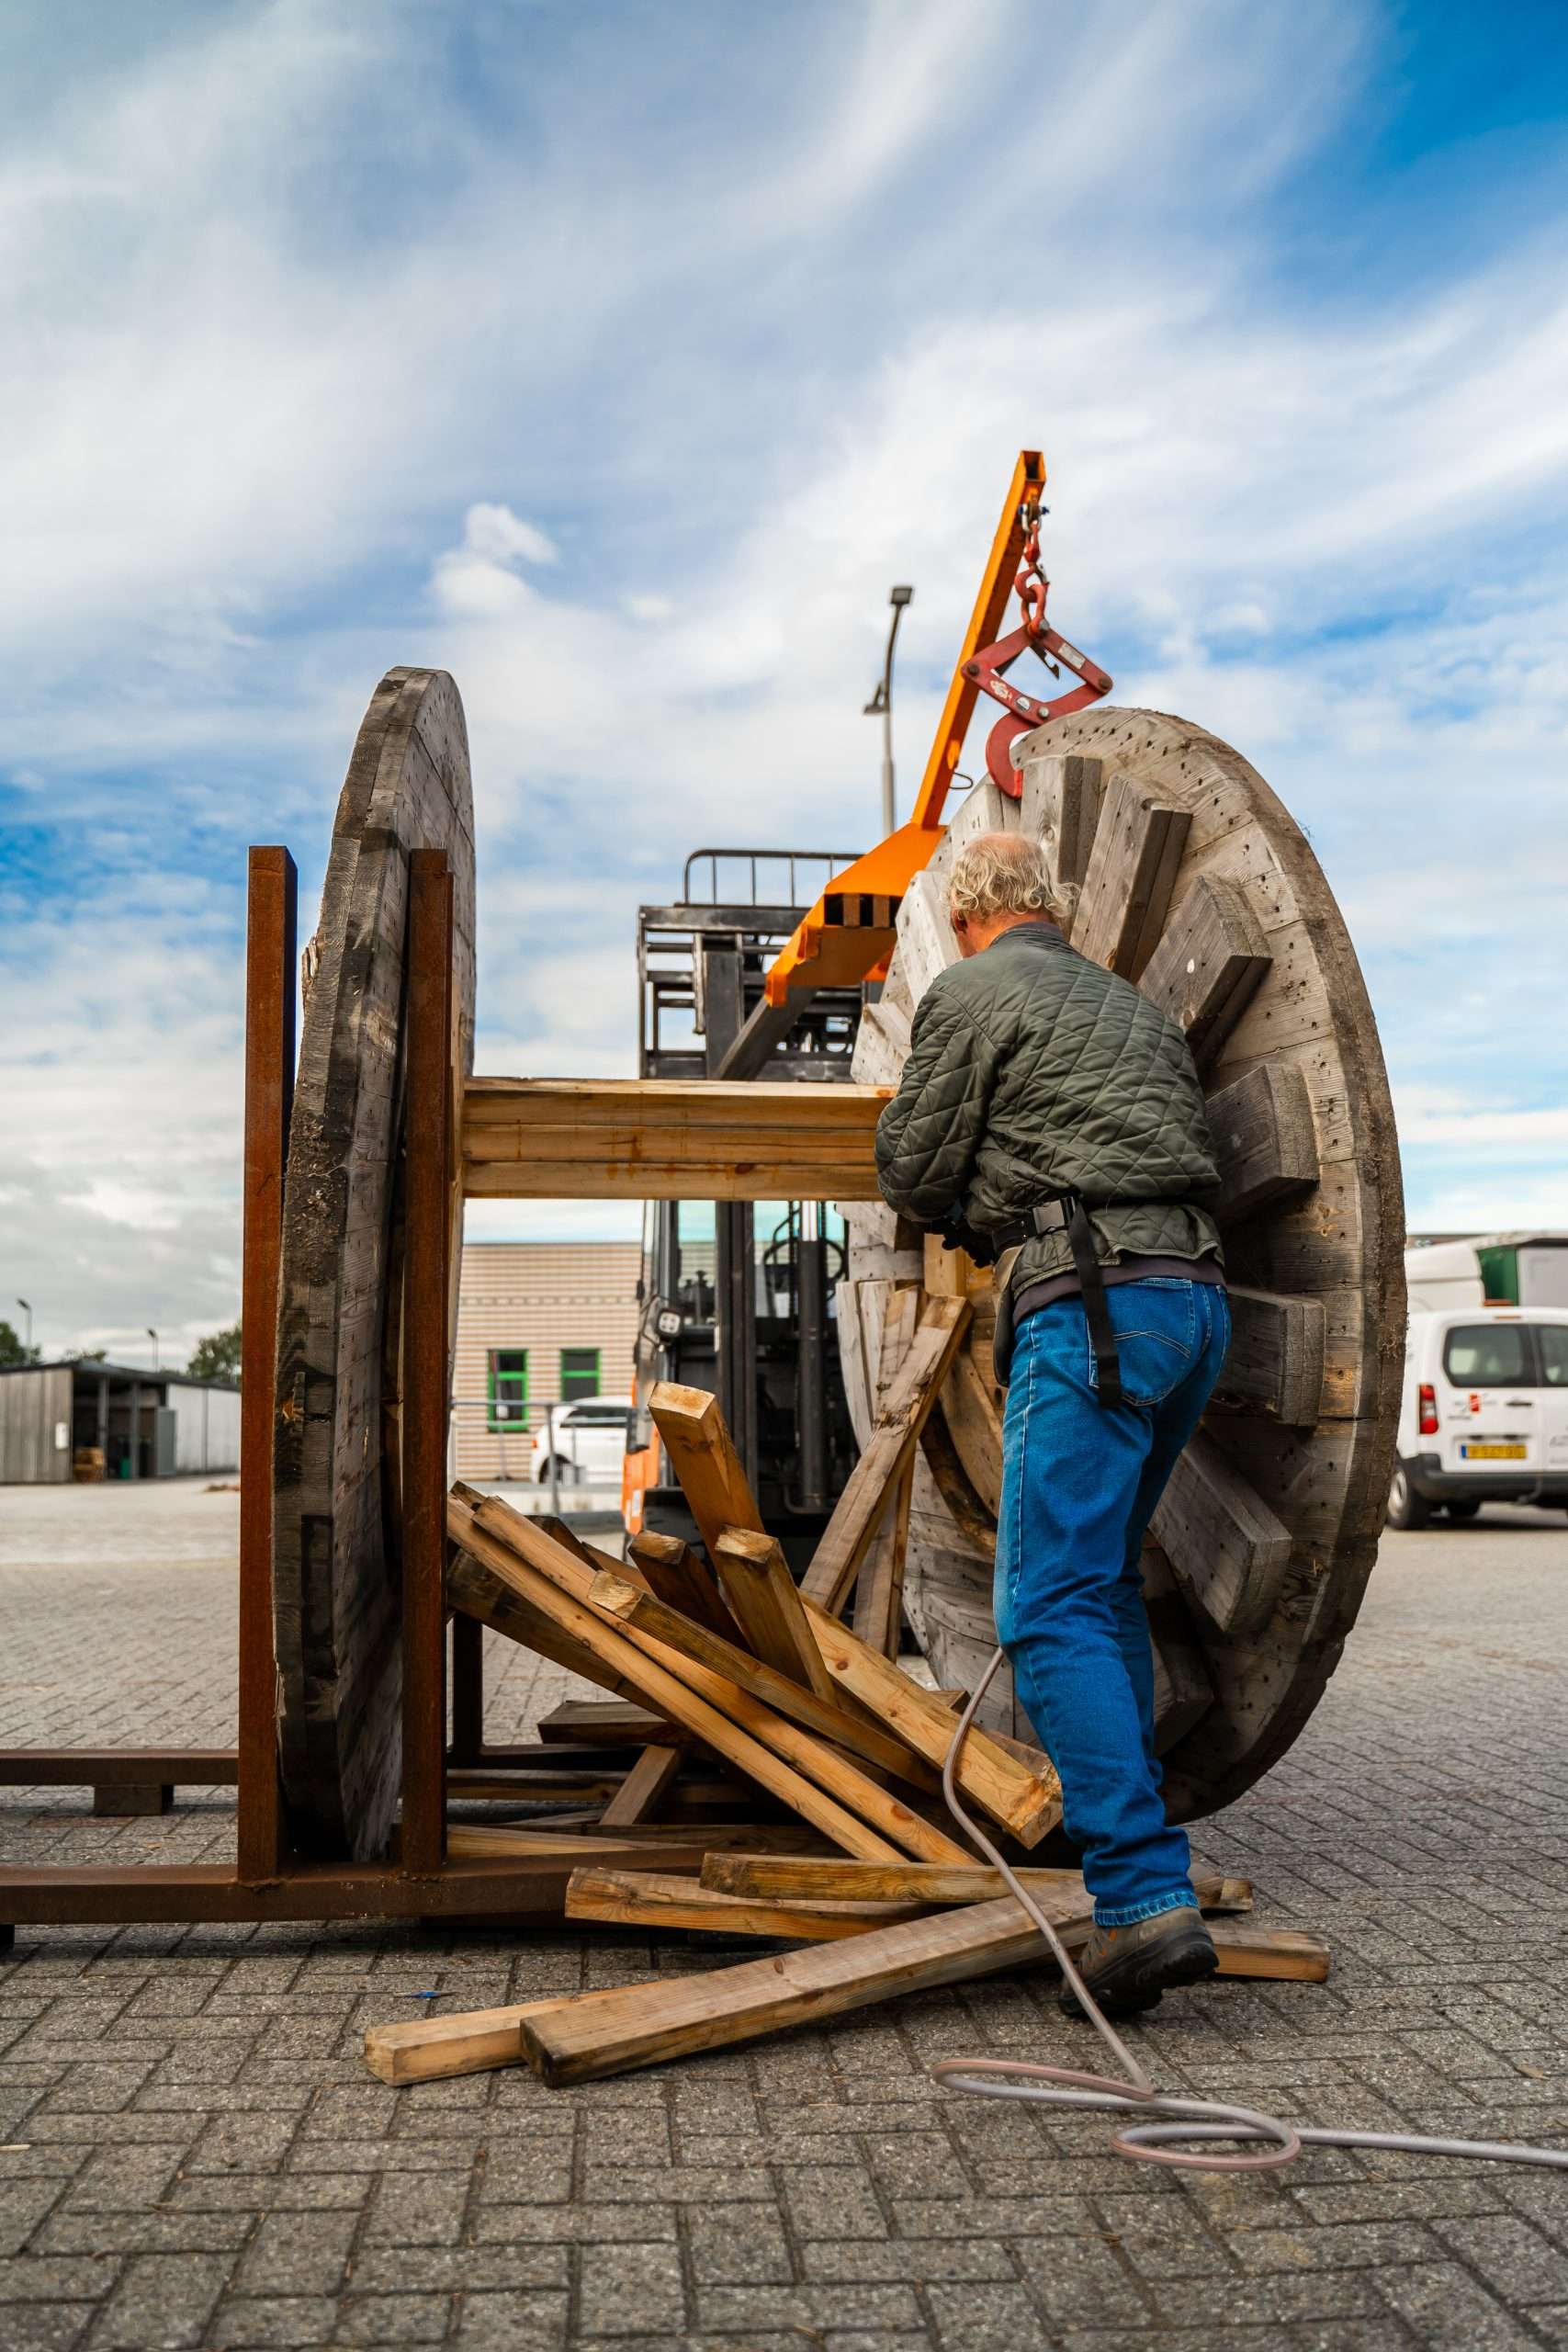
pixel 336 1562
pixel 1194 882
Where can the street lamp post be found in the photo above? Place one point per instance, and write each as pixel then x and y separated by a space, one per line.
pixel 27 1306
pixel 881 704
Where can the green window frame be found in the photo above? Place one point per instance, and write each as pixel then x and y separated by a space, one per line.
pixel 506 1389
pixel 578 1374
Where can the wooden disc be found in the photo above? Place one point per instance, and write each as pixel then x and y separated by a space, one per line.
pixel 1194 882
pixel 336 1561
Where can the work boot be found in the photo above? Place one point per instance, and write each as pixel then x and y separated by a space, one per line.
pixel 1127 1969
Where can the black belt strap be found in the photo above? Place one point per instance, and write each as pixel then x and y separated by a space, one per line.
pixel 1064 1212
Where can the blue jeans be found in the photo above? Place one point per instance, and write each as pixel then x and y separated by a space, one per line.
pixel 1079 1484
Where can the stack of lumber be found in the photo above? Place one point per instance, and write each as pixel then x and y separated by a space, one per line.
pixel 784 1779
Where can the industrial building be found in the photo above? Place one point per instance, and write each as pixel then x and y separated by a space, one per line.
pixel 540 1323
pixel 113 1420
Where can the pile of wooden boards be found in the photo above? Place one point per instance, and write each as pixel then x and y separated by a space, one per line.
pixel 746 1696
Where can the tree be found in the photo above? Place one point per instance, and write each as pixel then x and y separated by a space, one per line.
pixel 218 1356
pixel 11 1348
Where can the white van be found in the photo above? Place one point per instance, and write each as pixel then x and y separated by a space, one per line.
pixel 1484 1413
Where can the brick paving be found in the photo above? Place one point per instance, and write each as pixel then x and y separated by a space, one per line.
pixel 192 2155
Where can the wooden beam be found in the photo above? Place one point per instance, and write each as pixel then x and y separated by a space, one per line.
pixel 1026 1801
pixel 813 1780
pixel 643 1791
pixel 641 2025
pixel 668 1139
pixel 879 1586
pixel 1208 966
pixel 828 1718
pixel 1060 809
pixel 472 1589
pixel 1265 1143
pixel 1227 1549
pixel 1184 1690
pixel 895 1434
pixel 765 1605
pixel 672 1570
pixel 702 1456
pixel 1131 872
pixel 811 1878
pixel 433 2050
pixel 1275 1363
pixel 648 1898
pixel 606 1723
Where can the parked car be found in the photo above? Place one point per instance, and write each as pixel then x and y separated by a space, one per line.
pixel 1484 1413
pixel 586 1441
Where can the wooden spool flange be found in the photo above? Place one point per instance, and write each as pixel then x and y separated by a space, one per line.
pixel 1195 882
pixel 336 1563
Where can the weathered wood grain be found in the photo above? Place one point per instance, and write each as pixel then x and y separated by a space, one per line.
pixel 1208 964
pixel 1275 1363
pixel 1265 1142
pixel 1228 1551
pixel 1132 874
pixel 335 1545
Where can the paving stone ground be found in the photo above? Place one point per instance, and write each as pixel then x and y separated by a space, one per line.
pixel 192 2154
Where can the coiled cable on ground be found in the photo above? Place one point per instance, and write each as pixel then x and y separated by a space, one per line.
pixel 1169 2128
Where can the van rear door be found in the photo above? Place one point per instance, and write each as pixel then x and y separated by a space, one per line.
pixel 1552 1352
pixel 1489 1401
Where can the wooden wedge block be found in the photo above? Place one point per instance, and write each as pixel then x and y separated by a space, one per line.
pixel 702 1456
pixel 759 1590
pixel 611 2032
pixel 1275 1358
pixel 1028 1801
pixel 788 1878
pixel 672 1570
pixel 645 1788
pixel 1132 872
pixel 813 1780
pixel 1265 1143
pixel 1184 1689
pixel 832 1718
pixel 1208 966
pixel 1061 796
pixel 894 1438
pixel 649 1898
pixel 1227 1549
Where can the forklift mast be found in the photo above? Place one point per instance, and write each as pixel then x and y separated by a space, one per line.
pixel 737 1296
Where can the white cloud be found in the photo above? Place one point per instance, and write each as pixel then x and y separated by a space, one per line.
pixel 627 394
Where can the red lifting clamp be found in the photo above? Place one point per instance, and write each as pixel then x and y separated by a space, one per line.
pixel 989 665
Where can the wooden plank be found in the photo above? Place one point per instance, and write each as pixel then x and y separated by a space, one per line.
pixel 913 1392
pixel 672 1570
pixel 642 2025
pixel 1184 1691
pixel 1208 966
pixel 433 2050
pixel 1265 1143
pixel 879 1586
pixel 704 1459
pixel 1060 809
pixel 643 1791
pixel 649 1845
pixel 1227 1549
pixel 830 1718
pixel 813 1780
pixel 606 1723
pixel 1275 1363
pixel 1132 872
pixel 473 1589
pixel 648 1899
pixel 810 1878
pixel 765 1605
pixel 668 1139
pixel 1026 1801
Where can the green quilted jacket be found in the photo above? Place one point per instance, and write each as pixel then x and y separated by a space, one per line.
pixel 1032 1070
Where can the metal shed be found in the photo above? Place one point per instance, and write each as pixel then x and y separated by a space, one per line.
pixel 143 1424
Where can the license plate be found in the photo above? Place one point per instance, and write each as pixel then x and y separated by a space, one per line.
pixel 1493 1453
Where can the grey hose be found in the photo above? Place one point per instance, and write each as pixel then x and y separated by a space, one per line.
pixel 1172 2121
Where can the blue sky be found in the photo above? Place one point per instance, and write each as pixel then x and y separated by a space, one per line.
pixel 616 358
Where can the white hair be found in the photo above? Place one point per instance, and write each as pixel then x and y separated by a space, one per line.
pixel 1004 874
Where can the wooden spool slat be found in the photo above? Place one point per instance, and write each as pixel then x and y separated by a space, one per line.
pixel 1196 881
pixel 336 1567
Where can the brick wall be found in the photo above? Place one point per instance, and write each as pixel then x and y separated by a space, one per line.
pixel 542 1296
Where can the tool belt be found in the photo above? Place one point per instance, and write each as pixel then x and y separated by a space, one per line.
pixel 1063 1212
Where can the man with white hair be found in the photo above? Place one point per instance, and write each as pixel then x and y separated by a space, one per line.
pixel 1050 1117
